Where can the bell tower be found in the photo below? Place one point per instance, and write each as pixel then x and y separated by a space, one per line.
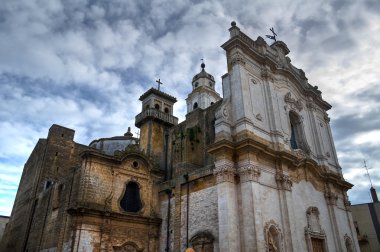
pixel 154 122
pixel 203 94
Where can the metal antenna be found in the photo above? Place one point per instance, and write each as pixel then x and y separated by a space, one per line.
pixel 369 177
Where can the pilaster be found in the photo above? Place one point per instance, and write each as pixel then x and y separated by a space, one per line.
pixel 284 185
pixel 331 201
pixel 249 173
pixel 229 238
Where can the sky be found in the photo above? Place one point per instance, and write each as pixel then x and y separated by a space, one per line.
pixel 83 64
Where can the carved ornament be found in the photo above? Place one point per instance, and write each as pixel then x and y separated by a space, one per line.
pixel 273 236
pixel 224 171
pixel 331 198
pixel 248 171
pixel 237 58
pixel 284 182
pixel 295 104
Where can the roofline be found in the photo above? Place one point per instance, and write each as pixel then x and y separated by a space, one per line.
pixel 158 92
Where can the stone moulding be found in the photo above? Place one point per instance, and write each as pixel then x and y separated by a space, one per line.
pixel 314 230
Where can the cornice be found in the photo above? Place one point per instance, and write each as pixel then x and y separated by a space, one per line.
pixel 127 217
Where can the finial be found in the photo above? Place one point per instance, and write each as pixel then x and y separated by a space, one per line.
pixel 203 65
pixel 233 23
pixel 129 133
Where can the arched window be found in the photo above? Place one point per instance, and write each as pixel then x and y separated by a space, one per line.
pixel 127 247
pixel 195 105
pixel 202 242
pixel 297 135
pixel 156 106
pixel 166 110
pixel 131 201
pixel 147 106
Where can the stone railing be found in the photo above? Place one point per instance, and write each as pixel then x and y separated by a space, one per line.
pixel 155 114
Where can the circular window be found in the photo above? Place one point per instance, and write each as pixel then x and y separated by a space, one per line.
pixel 166 110
pixel 156 106
pixel 135 164
pixel 210 84
pixel 196 84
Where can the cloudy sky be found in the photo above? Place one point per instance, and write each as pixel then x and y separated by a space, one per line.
pixel 83 64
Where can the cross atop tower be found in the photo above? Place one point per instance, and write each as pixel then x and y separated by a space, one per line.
pixel 159 83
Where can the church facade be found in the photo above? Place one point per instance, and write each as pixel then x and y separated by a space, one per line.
pixel 255 170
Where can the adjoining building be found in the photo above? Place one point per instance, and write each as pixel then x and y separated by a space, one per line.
pixel 3 223
pixel 367 223
pixel 255 170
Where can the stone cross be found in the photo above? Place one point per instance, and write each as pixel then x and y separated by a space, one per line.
pixel 159 83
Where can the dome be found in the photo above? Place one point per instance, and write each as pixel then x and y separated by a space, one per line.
pixel 203 74
pixel 118 143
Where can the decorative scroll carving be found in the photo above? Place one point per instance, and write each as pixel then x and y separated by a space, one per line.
pixel 284 182
pixel 293 102
pixel 273 237
pixel 248 171
pixel 224 171
pixel 237 58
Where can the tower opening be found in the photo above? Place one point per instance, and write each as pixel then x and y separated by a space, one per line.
pixel 131 201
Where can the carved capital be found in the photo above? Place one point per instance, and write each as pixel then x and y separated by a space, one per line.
pixel 331 198
pixel 237 58
pixel 326 117
pixel 311 106
pixel 248 171
pixel 266 74
pixel 224 171
pixel 293 103
pixel 346 201
pixel 284 182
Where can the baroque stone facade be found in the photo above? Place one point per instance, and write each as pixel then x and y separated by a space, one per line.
pixel 255 170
